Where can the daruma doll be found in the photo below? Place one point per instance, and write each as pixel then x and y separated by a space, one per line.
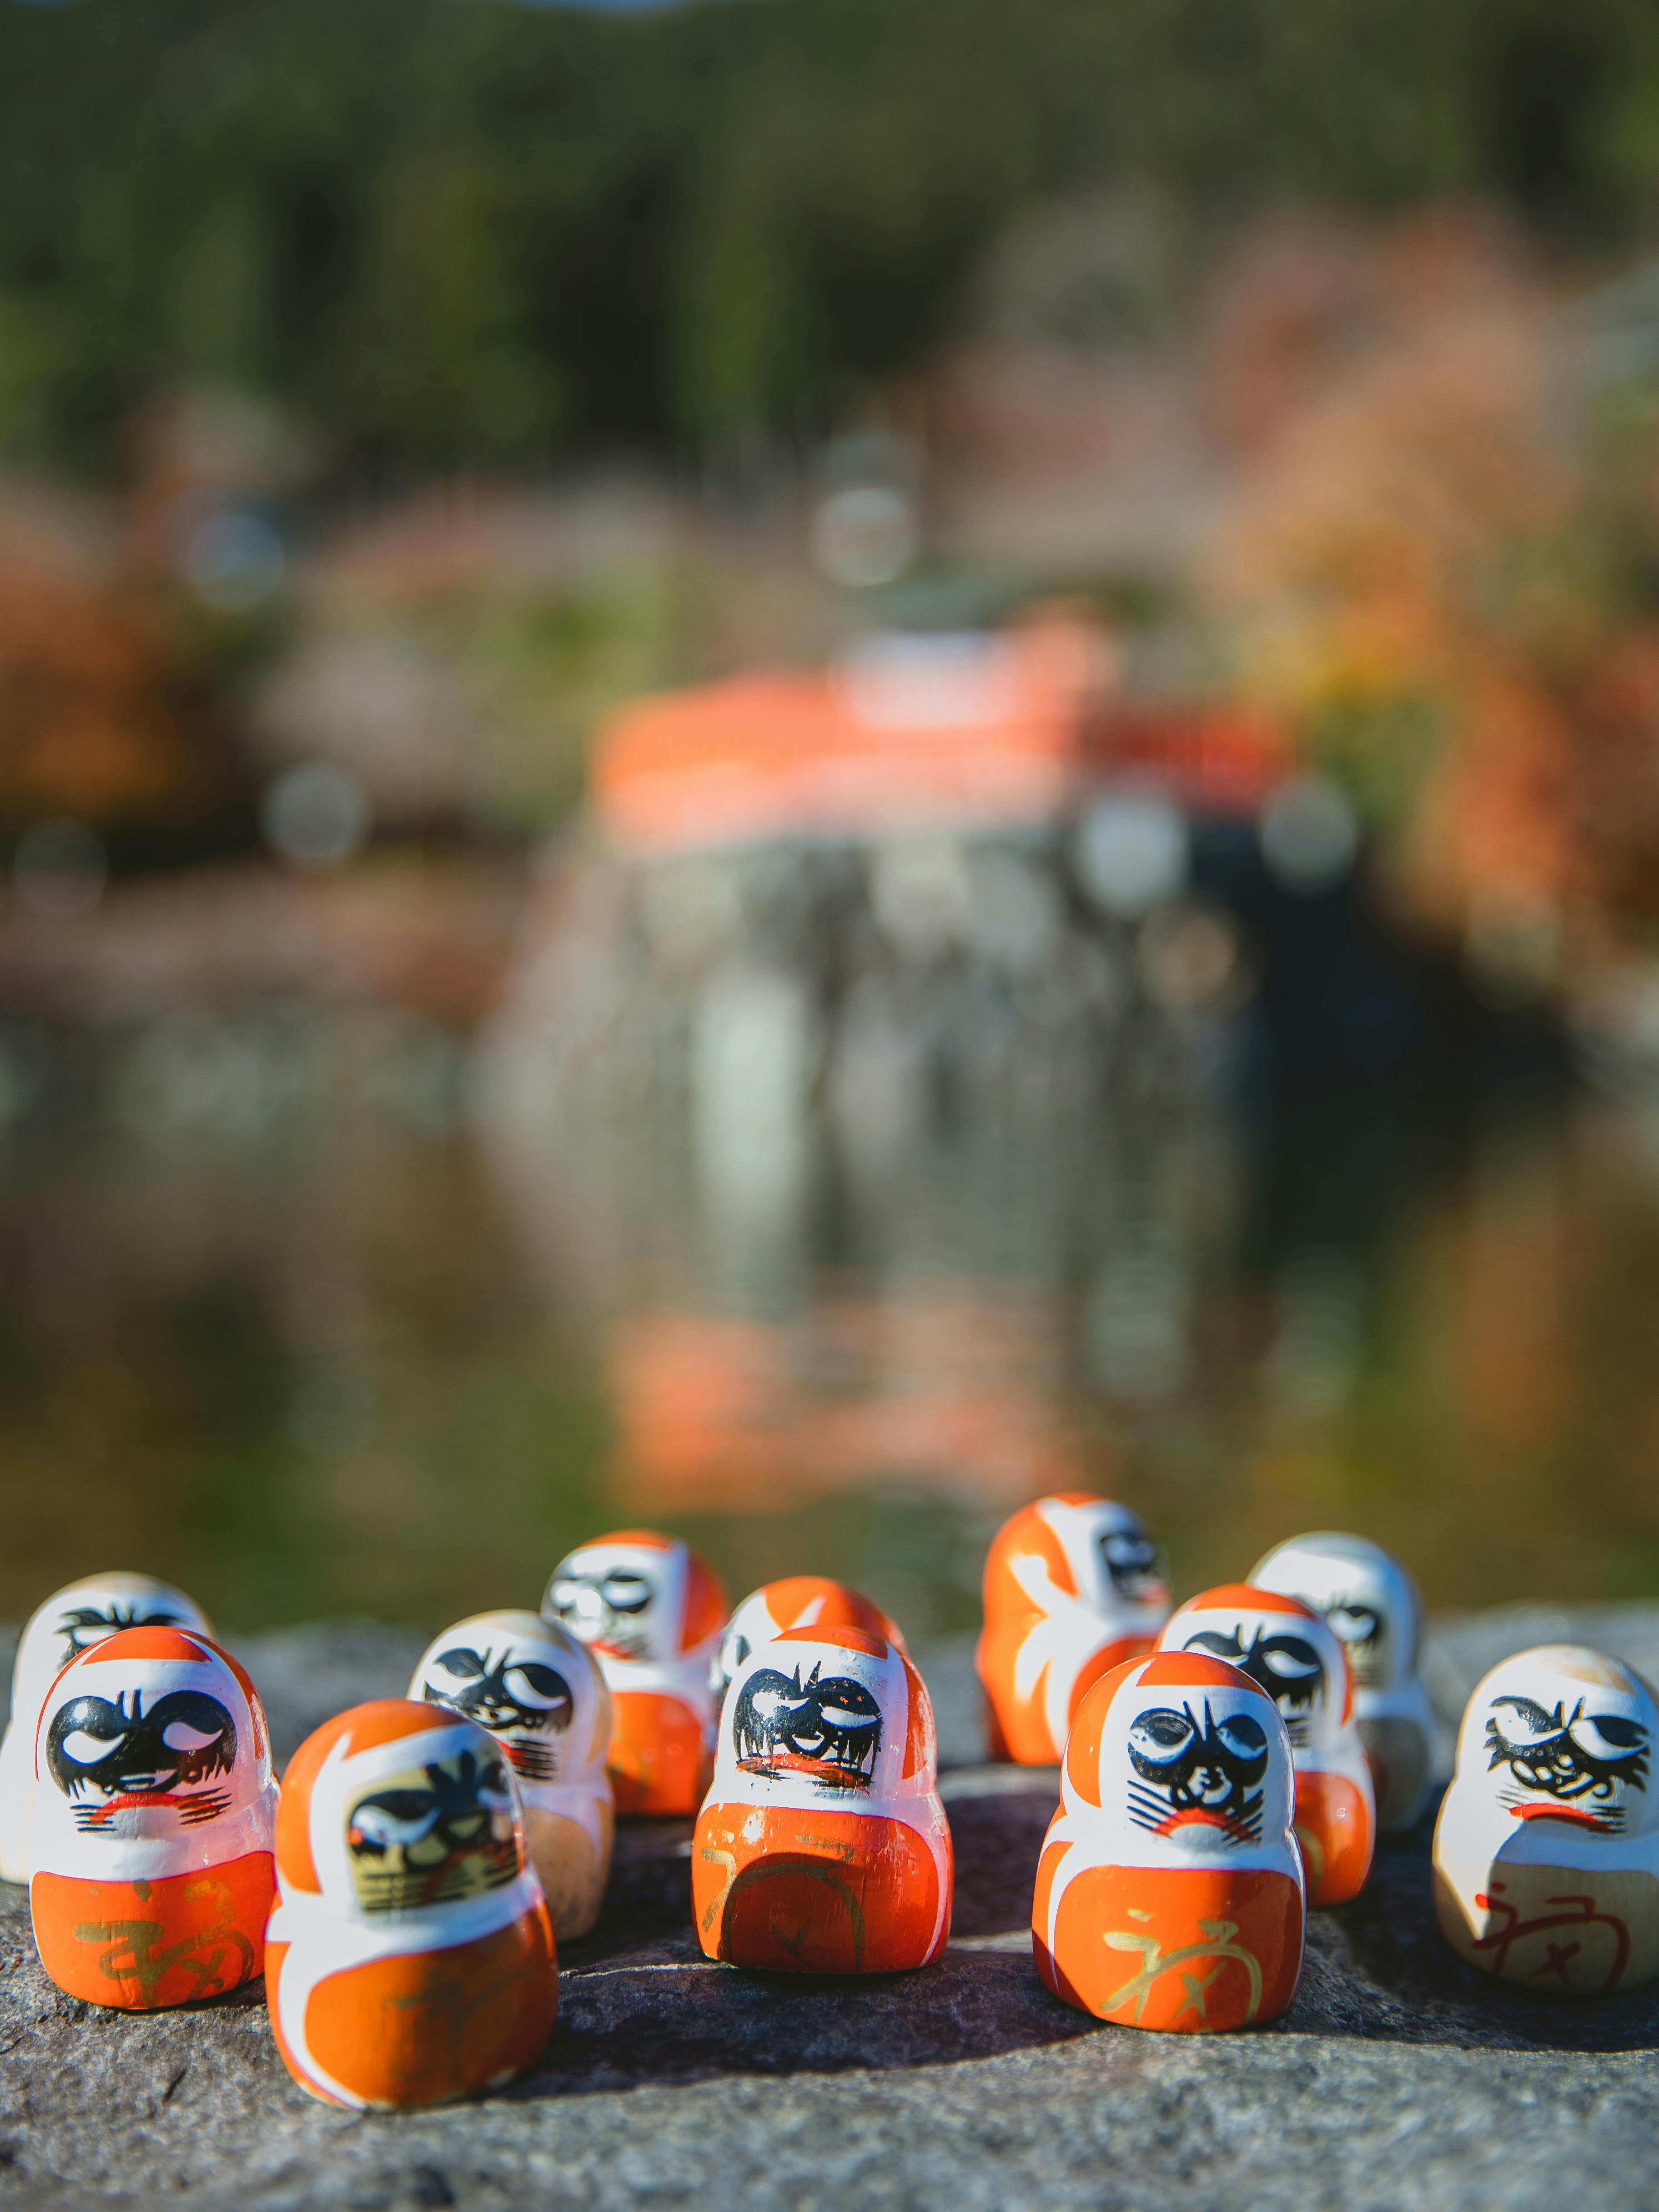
pixel 70 1622
pixel 1170 1890
pixel 410 1958
pixel 1287 1650
pixel 797 1601
pixel 544 1701
pixel 1372 1603
pixel 823 1848
pixel 151 1840
pixel 650 1611
pixel 1546 1846
pixel 1072 1588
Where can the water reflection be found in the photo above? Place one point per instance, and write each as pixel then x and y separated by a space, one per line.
pixel 312 1357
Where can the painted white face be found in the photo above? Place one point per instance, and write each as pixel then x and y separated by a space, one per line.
pixel 623 1601
pixel 83 1614
pixel 1204 1768
pixel 1367 1598
pixel 824 1719
pixel 522 1678
pixel 151 1745
pixel 1295 1659
pixel 1114 1562
pixel 1563 1734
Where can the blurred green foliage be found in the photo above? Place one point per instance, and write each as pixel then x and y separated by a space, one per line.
pixel 469 230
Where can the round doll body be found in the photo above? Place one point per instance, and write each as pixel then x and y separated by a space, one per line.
pixel 1072 1588
pixel 1372 1603
pixel 544 1700
pixel 1547 1847
pixel 824 1847
pixel 152 1836
pixel 410 1958
pixel 1170 1892
pixel 1286 1648
pixel 70 1621
pixel 797 1601
pixel 651 1612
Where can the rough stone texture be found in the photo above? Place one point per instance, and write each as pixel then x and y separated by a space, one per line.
pixel 1398 2078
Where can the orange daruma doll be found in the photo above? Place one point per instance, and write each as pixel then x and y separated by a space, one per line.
pixel 823 1848
pixel 650 1611
pixel 1170 1890
pixel 150 1846
pixel 796 1601
pixel 1297 1659
pixel 410 1958
pixel 1072 1586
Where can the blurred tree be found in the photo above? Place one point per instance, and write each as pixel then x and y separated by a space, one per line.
pixel 465 230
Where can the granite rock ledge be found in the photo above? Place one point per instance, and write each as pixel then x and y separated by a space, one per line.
pixel 1398 2077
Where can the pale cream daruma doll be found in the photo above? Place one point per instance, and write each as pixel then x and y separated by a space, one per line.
pixel 543 1699
pixel 151 1847
pixel 70 1621
pixel 1170 1890
pixel 1285 1648
pixel 823 1847
pixel 1072 1588
pixel 650 1611
pixel 796 1601
pixel 1371 1602
pixel 1547 1847
pixel 410 1958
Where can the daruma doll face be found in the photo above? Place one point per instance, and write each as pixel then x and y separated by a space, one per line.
pixel 434 1834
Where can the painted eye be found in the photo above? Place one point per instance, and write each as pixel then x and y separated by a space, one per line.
pixel 1522 1722
pixel 626 1592
pixel 1160 1737
pixel 740 1652
pixel 384 1825
pixel 1606 1735
pixel 1242 1735
pixel 86 1750
pixel 1291 1662
pixel 179 1735
pixel 1210 1639
pixel 533 1684
pixel 564 1596
pixel 1355 1624
pixel 466 1666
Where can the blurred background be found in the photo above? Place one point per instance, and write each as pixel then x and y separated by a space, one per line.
pixel 785 767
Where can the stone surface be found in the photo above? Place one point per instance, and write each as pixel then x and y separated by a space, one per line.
pixel 1399 2077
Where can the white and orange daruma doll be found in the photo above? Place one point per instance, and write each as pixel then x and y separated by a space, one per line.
pixel 151 1841
pixel 1546 1846
pixel 651 1612
pixel 1072 1588
pixel 797 1601
pixel 410 1958
pixel 1371 1602
pixel 823 1848
pixel 70 1621
pixel 1285 1647
pixel 1170 1892
pixel 542 1697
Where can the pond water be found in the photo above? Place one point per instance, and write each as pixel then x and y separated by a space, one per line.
pixel 356 1361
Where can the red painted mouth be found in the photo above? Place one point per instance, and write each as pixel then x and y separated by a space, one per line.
pixel 817 1770
pixel 131 1797
pixel 1197 1817
pixel 1567 1813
